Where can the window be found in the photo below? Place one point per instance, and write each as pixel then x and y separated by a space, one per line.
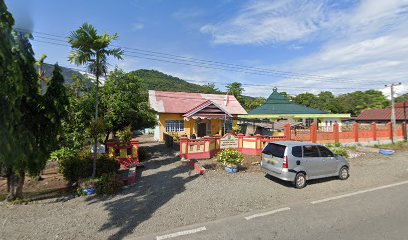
pixel 174 126
pixel 324 152
pixel 297 151
pixel 274 150
pixel 310 151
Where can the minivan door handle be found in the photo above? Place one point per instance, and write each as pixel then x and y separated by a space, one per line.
pixel 298 162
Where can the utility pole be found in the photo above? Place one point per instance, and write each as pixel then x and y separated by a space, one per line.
pixel 393 121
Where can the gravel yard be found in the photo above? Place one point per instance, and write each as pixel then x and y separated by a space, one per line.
pixel 168 195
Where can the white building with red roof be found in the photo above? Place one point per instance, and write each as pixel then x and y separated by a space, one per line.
pixel 194 114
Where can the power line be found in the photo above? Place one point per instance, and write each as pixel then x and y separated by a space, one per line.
pixel 152 55
pixel 189 64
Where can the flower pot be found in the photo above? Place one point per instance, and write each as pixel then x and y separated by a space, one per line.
pixel 89 191
pixel 386 152
pixel 231 169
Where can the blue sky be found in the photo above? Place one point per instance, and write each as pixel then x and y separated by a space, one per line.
pixel 301 46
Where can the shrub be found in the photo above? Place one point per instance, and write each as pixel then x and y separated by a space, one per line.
pixel 109 183
pixel 337 144
pixel 72 167
pixel 62 153
pixel 106 165
pixel 230 157
pixel 79 165
pixel 340 151
pixel 125 135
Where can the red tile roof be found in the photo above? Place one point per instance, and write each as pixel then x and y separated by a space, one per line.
pixel 182 102
pixel 381 115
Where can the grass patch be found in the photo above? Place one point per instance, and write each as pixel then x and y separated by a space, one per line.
pixel 395 146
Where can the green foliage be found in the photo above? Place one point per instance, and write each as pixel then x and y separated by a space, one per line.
pixel 72 167
pixel 79 165
pixel 229 157
pixel 62 153
pixel 29 121
pixel 125 135
pixel 107 183
pixel 97 128
pixel 124 103
pixel 353 103
pixel 252 103
pixel 337 144
pixel 155 80
pixel 237 90
pixel 340 151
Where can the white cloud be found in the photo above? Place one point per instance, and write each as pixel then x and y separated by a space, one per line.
pixel 263 22
pixel 361 47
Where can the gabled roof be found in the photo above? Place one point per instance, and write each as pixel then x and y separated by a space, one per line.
pixel 208 109
pixel 182 102
pixel 278 104
pixel 381 114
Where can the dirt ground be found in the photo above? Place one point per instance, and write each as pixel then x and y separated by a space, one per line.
pixel 169 195
pixel 52 184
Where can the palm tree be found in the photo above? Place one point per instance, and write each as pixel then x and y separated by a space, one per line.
pixel 92 50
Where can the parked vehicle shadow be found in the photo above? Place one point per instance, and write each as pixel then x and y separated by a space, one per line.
pixel 141 200
pixel 309 182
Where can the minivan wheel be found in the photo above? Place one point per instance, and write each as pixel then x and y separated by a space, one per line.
pixel 300 180
pixel 344 173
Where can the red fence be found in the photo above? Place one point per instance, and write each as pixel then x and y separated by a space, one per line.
pixel 207 147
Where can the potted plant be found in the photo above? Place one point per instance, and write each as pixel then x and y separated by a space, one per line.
pixel 125 136
pixel 230 159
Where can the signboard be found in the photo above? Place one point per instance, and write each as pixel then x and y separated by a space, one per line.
pixel 228 141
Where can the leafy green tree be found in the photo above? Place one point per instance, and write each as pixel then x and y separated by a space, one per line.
pixel 253 103
pixel 307 99
pixel 210 89
pixel 237 90
pixel 29 119
pixel 124 103
pixel 92 50
pixel 80 110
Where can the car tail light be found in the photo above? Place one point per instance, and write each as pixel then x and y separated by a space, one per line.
pixel 285 162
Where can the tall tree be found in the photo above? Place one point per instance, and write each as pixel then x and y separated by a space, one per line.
pixel 92 50
pixel 237 90
pixel 25 113
pixel 124 102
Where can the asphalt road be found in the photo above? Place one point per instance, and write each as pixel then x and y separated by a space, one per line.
pixel 376 213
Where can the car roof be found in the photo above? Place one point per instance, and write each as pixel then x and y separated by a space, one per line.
pixel 295 143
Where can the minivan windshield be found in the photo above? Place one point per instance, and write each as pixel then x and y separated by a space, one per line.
pixel 274 150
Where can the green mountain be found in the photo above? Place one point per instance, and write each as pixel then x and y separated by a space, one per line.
pixel 155 80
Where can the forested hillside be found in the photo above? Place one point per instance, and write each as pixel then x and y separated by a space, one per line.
pixel 155 80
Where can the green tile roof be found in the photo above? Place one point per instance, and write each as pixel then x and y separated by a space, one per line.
pixel 278 104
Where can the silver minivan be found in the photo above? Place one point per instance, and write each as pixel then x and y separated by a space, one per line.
pixel 297 162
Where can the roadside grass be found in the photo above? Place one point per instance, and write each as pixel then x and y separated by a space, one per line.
pixel 396 146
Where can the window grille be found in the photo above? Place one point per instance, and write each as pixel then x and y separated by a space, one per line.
pixel 174 126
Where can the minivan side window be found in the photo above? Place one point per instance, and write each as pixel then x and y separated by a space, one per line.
pixel 324 152
pixel 274 150
pixel 310 151
pixel 297 151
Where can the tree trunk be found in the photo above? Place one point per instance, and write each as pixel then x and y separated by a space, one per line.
pixel 15 185
pixel 96 115
pixel 9 172
pixel 10 186
pixel 20 184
